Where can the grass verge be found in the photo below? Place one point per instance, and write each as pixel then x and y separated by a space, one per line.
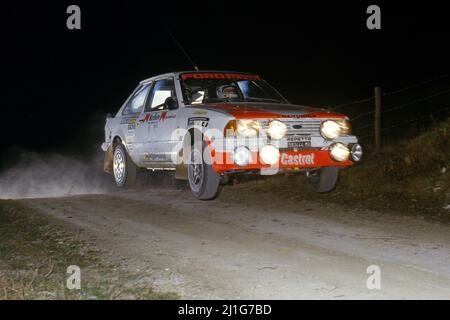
pixel 35 252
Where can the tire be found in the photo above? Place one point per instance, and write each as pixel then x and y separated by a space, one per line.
pixel 324 180
pixel 124 169
pixel 205 184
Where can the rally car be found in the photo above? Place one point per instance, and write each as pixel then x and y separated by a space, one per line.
pixel 208 126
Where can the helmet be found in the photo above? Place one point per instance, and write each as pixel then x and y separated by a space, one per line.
pixel 227 92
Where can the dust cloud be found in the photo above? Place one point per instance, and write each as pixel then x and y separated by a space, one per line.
pixel 36 175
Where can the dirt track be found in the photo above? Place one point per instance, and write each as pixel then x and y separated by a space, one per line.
pixel 226 250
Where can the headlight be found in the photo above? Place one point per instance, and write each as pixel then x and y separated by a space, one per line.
pixel 339 152
pixel 247 128
pixel 269 154
pixel 332 129
pixel 276 129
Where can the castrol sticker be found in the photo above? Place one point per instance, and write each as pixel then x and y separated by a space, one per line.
pixel 297 159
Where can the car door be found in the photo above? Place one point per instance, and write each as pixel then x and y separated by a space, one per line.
pixel 145 137
pixel 129 120
pixel 160 121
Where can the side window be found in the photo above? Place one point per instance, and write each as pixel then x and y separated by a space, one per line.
pixel 136 103
pixel 162 90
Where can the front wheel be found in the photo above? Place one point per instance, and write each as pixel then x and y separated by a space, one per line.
pixel 124 169
pixel 203 181
pixel 323 180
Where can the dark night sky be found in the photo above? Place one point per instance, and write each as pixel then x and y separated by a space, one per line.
pixel 61 83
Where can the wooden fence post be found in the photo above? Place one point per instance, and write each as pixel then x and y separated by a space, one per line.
pixel 377 124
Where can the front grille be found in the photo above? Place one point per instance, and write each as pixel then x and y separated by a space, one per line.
pixel 307 126
pixel 303 126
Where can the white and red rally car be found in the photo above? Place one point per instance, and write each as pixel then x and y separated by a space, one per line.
pixel 210 125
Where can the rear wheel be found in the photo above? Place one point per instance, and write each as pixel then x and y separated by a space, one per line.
pixel 124 169
pixel 323 180
pixel 203 181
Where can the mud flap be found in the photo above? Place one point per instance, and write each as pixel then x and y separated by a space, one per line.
pixel 181 169
pixel 108 161
pixel 181 172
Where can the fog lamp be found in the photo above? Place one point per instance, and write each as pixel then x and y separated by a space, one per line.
pixel 269 154
pixel 339 152
pixel 242 156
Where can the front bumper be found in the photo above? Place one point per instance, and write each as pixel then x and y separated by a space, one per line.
pixel 315 156
pixel 223 161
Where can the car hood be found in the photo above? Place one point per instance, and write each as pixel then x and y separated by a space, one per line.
pixel 244 110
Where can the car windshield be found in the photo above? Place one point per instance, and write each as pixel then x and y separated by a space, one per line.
pixel 212 88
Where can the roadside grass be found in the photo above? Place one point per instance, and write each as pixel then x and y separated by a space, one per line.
pixel 35 252
pixel 409 178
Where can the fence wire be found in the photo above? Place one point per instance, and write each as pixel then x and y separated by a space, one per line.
pixel 363 100
pixel 365 126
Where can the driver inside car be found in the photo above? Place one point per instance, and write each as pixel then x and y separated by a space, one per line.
pixel 227 92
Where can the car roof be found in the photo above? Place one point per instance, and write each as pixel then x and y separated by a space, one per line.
pixel 175 74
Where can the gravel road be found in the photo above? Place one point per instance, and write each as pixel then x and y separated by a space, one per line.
pixel 260 249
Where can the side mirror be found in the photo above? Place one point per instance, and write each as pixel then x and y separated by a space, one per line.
pixel 109 116
pixel 171 103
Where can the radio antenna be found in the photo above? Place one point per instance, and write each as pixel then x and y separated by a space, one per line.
pixel 182 50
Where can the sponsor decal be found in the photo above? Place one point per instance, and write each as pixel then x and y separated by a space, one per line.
pixel 156 117
pixel 130 121
pixel 201 112
pixel 312 115
pixel 152 157
pixel 315 115
pixel 297 159
pixel 157 157
pixel 236 76
pixel 198 121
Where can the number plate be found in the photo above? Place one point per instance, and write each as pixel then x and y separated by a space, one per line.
pixel 298 142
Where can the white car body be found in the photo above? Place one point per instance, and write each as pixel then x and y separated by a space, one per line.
pixel 155 138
